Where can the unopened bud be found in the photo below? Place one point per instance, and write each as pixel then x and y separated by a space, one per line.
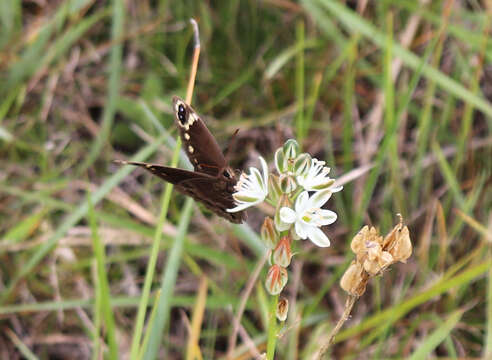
pixel 302 164
pixel 282 309
pixel 280 162
pixel 268 233
pixel 291 149
pixel 274 191
pixel 283 253
pixel 287 183
pixel 276 279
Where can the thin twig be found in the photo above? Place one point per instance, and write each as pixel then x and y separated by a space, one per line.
pixel 194 64
pixel 349 304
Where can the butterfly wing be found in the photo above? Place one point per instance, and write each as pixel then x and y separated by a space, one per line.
pixel 215 197
pixel 200 145
pixel 200 186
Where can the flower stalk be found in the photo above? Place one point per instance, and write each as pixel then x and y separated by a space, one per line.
pixel 272 328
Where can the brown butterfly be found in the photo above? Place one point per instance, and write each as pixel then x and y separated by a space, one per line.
pixel 213 181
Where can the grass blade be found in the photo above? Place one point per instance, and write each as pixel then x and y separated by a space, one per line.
pixel 103 291
pixel 192 349
pixel 168 281
pixel 113 85
pixel 23 349
pixel 149 274
pixel 437 337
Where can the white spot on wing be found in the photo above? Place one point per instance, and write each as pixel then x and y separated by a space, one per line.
pixel 190 149
pixel 187 136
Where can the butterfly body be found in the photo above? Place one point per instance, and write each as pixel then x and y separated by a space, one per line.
pixel 212 182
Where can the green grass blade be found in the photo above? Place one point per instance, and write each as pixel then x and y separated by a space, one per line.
pixel 113 85
pixel 213 302
pixel 10 19
pixel 449 175
pixel 149 275
pixel 104 294
pixel 488 333
pixel 150 324
pixel 168 282
pixel 286 55
pixel 23 349
pixel 300 125
pixel 96 311
pixel 437 337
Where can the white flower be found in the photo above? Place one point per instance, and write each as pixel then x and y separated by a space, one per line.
pixel 251 189
pixel 316 178
pixel 308 216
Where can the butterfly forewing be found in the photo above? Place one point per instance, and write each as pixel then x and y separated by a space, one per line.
pixel 200 145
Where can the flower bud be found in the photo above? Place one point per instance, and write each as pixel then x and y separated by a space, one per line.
pixel 282 309
pixel 287 183
pixel 279 224
pixel 276 279
pixel 291 149
pixel 302 164
pixel 283 253
pixel 268 233
pixel 274 190
pixel 280 162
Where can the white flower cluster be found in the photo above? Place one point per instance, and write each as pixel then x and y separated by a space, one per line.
pixel 302 181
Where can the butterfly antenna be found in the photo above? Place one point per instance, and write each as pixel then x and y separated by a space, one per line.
pixel 194 64
pixel 230 146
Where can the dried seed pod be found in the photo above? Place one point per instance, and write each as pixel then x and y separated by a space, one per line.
pixel 374 255
pixel 354 280
pixel 282 309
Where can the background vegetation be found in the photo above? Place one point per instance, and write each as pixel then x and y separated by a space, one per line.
pixel 395 93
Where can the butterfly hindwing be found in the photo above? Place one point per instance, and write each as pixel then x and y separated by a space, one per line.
pixel 202 187
pixel 169 174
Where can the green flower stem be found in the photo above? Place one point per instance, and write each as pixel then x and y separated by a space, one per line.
pixel 272 327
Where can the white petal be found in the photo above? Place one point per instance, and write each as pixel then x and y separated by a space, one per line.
pixel 287 215
pixel 319 198
pixel 241 207
pixel 336 189
pixel 264 167
pixel 256 178
pixel 326 217
pixel 318 237
pixel 301 229
pixel 302 202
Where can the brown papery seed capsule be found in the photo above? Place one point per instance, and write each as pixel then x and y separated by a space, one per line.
pixel 282 309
